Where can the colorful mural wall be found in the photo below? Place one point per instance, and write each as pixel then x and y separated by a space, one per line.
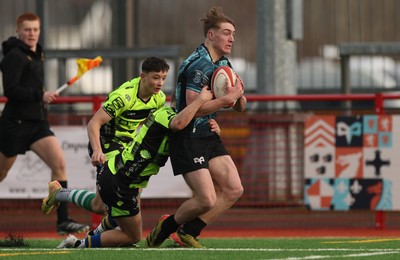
pixel 352 162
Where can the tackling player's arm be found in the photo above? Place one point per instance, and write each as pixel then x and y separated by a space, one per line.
pixel 212 106
pixel 93 130
pixel 184 117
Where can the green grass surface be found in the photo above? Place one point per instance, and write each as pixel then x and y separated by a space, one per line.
pixel 226 248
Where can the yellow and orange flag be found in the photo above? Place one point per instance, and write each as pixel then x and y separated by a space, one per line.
pixel 87 64
pixel 84 65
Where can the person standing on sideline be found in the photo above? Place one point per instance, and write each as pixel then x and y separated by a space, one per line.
pixel 196 152
pixel 23 124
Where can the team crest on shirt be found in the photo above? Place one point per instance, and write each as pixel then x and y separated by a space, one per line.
pixel 127 97
pixel 118 103
pixel 198 76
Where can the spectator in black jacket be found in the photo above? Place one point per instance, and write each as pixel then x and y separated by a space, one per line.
pixel 23 123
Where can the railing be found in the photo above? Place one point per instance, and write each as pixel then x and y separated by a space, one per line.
pixel 262 144
pixel 377 98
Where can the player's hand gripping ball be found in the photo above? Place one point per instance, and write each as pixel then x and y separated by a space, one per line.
pixel 223 77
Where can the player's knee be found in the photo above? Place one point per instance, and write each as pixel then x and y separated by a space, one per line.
pixel 126 241
pixel 97 205
pixel 234 193
pixel 239 192
pixel 130 242
pixel 99 209
pixel 133 239
pixel 207 203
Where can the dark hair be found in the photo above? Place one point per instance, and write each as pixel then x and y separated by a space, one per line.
pixel 154 64
pixel 214 17
pixel 27 17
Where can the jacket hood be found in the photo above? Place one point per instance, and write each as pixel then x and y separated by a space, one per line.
pixel 14 42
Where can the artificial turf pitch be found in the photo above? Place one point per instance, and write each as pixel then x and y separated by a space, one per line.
pixel 221 248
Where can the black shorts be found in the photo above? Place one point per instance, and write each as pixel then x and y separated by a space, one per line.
pixel 190 154
pixel 120 200
pixel 17 136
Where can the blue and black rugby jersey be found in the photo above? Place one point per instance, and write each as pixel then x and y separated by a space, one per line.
pixel 195 73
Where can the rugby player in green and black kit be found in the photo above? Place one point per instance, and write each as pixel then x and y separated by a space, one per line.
pixel 111 129
pixel 123 175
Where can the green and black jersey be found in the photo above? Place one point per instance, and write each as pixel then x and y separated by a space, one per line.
pixel 147 153
pixel 127 111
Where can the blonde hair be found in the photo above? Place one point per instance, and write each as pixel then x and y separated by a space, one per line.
pixel 214 17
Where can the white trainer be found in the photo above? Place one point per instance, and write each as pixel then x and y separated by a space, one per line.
pixel 69 242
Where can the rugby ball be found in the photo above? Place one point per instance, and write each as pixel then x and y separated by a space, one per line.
pixel 222 76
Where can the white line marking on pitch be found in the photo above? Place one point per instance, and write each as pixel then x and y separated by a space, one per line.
pixel 338 256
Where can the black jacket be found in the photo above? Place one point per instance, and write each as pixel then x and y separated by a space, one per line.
pixel 23 79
